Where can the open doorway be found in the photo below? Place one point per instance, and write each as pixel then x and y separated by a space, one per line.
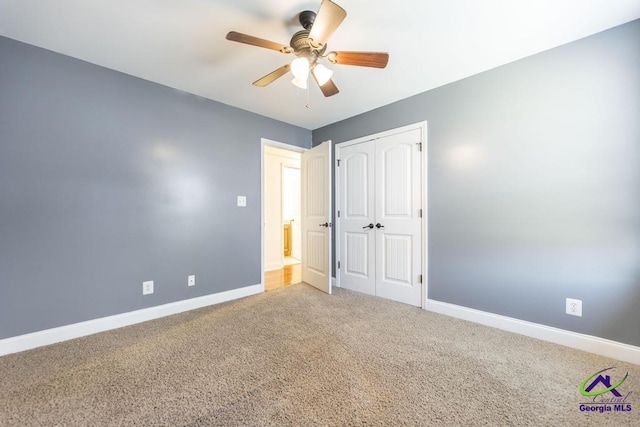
pixel 291 215
pixel 281 182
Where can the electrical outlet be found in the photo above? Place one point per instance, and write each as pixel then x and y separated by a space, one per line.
pixel 147 287
pixel 191 280
pixel 242 201
pixel 574 307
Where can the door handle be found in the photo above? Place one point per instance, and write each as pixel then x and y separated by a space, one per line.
pixel 378 225
pixel 326 224
pixel 368 226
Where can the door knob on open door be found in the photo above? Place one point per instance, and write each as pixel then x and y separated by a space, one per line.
pixel 326 224
pixel 368 226
pixel 378 225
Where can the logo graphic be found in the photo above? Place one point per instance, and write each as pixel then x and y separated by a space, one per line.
pixel 606 381
pixel 604 395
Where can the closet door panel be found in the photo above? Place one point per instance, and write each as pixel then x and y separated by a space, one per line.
pixel 357 252
pixel 398 223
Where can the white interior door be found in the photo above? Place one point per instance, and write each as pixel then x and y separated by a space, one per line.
pixel 316 217
pixel 398 221
pixel 357 218
pixel 380 202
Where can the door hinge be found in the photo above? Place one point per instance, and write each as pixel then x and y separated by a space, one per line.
pixel 338 264
pixel 420 212
pixel 338 160
pixel 419 144
pixel 338 214
pixel 420 278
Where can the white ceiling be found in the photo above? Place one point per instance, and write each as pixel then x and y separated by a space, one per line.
pixel 181 44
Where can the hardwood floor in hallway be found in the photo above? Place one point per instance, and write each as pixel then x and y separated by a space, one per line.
pixel 287 276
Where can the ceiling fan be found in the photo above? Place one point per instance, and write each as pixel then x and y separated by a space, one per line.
pixel 310 46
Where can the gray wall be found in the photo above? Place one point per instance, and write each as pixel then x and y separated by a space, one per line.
pixel 534 184
pixel 107 180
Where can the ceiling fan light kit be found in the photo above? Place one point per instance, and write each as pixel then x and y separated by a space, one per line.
pixel 300 82
pixel 322 74
pixel 300 68
pixel 309 46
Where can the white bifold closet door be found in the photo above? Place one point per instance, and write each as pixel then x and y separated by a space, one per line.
pixel 380 217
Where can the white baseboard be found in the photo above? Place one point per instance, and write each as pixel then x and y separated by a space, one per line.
pixel 601 346
pixel 77 330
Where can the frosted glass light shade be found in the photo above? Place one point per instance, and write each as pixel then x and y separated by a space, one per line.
pixel 300 68
pixel 322 74
pixel 301 83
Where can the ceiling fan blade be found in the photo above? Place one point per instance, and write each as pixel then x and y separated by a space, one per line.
pixel 362 59
pixel 272 76
pixel 328 19
pixel 255 41
pixel 329 88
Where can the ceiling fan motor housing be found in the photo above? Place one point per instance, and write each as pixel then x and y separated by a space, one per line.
pixel 301 44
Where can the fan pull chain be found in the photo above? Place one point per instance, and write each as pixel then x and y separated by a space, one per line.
pixel 308 90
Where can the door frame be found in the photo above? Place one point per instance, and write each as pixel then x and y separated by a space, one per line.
pixel 264 142
pixel 424 204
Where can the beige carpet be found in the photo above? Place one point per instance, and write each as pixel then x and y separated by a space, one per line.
pixel 296 356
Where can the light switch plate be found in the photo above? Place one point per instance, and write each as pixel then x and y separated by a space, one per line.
pixel 242 201
pixel 147 287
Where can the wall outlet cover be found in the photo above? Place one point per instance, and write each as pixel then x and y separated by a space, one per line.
pixel 574 307
pixel 191 280
pixel 242 201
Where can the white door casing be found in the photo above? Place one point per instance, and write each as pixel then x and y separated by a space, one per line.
pixel 316 216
